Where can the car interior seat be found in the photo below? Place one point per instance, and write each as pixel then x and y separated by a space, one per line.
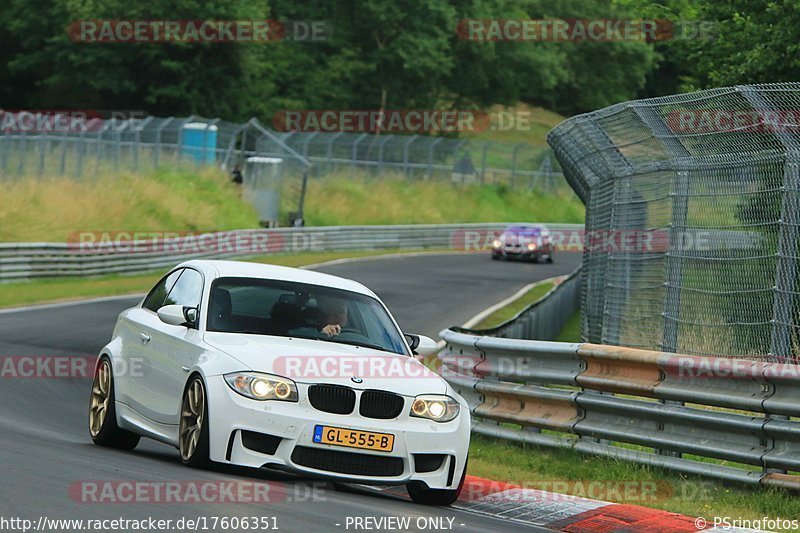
pixel 220 310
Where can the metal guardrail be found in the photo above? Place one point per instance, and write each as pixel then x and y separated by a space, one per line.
pixel 543 319
pixel 20 261
pixel 660 409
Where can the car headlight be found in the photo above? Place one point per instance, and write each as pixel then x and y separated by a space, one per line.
pixel 435 407
pixel 496 244
pixel 262 386
pixel 531 246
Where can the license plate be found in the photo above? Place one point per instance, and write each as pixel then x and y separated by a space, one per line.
pixel 353 438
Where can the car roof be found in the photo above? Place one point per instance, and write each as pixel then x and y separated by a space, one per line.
pixel 213 269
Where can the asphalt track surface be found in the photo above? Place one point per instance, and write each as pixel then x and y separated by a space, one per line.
pixel 45 449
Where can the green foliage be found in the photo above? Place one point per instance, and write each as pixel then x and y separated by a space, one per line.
pixel 393 54
pixel 755 42
pixel 380 53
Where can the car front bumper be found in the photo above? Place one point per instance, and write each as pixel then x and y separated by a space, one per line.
pixel 293 423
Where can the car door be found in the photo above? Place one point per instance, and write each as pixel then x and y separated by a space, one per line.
pixel 134 330
pixel 171 352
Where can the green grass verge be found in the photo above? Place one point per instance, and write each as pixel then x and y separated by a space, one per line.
pixel 64 289
pixel 565 471
pixel 333 201
pixel 187 199
pixel 508 311
pixel 179 198
pixel 572 329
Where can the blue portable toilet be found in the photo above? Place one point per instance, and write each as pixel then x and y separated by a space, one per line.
pixel 199 142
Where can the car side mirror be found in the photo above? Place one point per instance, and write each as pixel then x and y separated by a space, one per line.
pixel 178 315
pixel 422 345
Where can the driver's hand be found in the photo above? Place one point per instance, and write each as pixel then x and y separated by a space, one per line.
pixel 331 330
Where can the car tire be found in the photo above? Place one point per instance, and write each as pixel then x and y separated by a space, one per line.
pixel 495 257
pixel 193 429
pixel 550 258
pixel 103 426
pixel 420 493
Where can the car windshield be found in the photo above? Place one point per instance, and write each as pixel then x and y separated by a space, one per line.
pixel 300 310
pixel 528 231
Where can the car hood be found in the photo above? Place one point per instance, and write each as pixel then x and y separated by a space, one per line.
pixel 312 361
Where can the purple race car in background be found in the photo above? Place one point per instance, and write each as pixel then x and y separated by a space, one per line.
pixel 524 241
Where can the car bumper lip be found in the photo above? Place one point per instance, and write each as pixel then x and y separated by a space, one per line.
pixel 231 413
pixel 516 252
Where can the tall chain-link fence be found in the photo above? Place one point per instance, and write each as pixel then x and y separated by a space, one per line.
pixel 274 166
pixel 692 221
pixel 429 157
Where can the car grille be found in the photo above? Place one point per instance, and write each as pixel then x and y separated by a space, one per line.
pixel 332 399
pixel 357 464
pixel 379 404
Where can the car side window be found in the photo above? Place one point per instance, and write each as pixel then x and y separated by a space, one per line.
pixel 158 294
pixel 187 291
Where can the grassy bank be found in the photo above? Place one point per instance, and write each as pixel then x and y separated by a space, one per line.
pixel 169 199
pixel 194 200
pixel 506 312
pixel 342 200
pixel 572 329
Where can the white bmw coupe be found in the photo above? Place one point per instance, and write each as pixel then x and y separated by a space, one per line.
pixel 264 366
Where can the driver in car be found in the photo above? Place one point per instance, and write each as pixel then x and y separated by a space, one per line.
pixel 334 316
pixel 330 318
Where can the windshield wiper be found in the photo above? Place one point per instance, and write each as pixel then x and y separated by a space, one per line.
pixel 362 344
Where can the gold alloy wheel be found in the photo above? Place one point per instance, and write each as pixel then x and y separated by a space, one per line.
pixel 101 394
pixel 192 415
